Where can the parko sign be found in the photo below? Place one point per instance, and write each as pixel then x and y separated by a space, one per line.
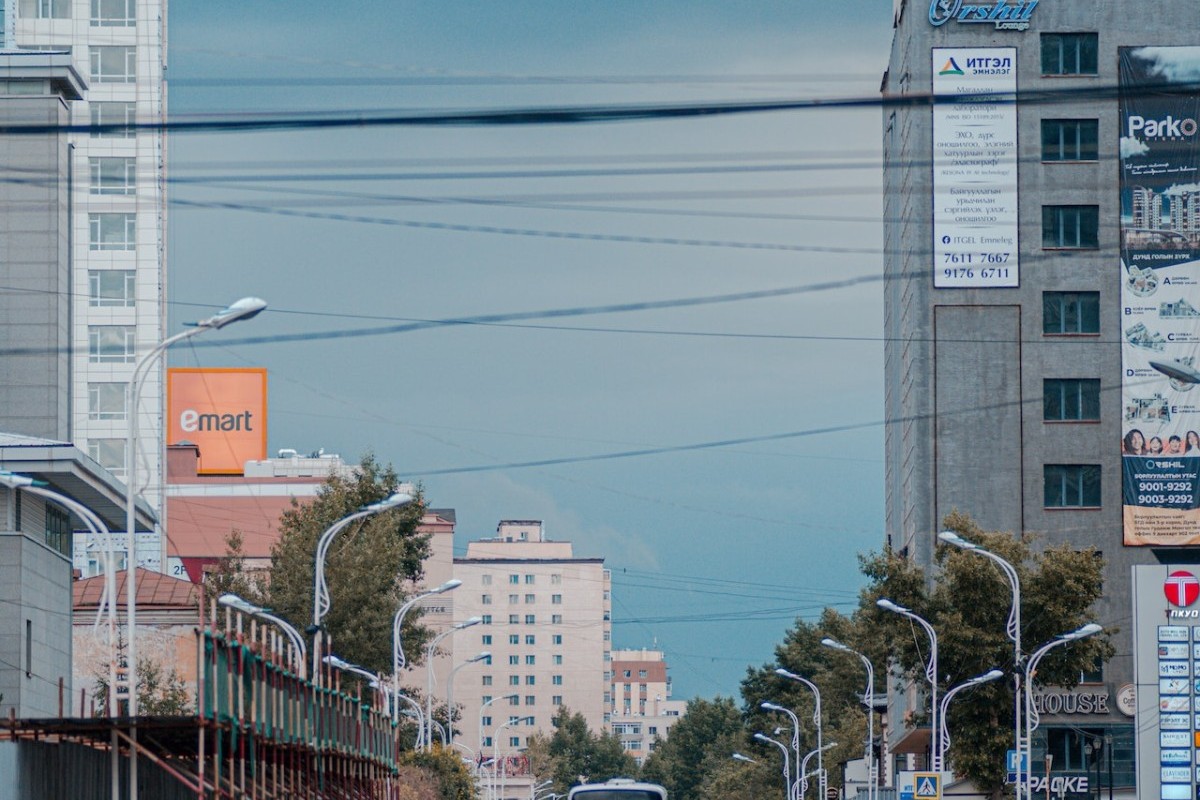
pixel 1006 15
pixel 221 411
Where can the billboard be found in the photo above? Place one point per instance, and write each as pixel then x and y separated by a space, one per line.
pixel 1160 294
pixel 223 412
pixel 975 167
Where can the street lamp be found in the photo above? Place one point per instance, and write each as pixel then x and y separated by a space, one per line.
pixel 300 654
pixel 869 701
pixel 345 666
pixel 496 752
pixel 746 759
pixel 1014 632
pixel 944 730
pixel 931 674
pixel 788 787
pixel 320 587
pixel 795 730
pixel 1032 718
pixel 511 697
pixel 398 660
pixel 429 672
pixel 804 774
pixel 450 690
pixel 816 720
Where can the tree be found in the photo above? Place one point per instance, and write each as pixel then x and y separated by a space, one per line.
pixel 574 755
pixel 161 692
pixel 230 576
pixel 446 768
pixel 698 745
pixel 366 570
pixel 967 600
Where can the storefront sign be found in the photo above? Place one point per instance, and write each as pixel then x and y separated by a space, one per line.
pixel 1005 15
pixel 221 411
pixel 1072 702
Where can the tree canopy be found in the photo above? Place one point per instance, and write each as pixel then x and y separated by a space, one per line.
pixel 574 754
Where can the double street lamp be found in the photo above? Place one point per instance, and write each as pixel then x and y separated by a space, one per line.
pixel 450 690
pixel 823 778
pixel 944 730
pixel 788 785
pixel 398 660
pixel 931 674
pixel 429 673
pixel 795 730
pixel 299 653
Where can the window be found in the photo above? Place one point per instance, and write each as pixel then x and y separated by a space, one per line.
pixel 486 599
pixel 530 599
pixel 514 741
pixel 1071 227
pixel 114 64
pixel 112 231
pixel 556 619
pixel 530 619
pixel 1068 313
pixel 514 700
pixel 556 700
pixel 113 175
pixel 642 673
pixel 608 636
pixel 108 453
pixel 114 13
pixel 1095 674
pixel 530 660
pixel 487 619
pixel 46 9
pixel 122 114
pixel 627 674
pixel 486 580
pixel 1072 485
pixel 514 660
pixel 514 598
pixel 514 638
pixel 111 288
pixel 514 680
pixel 1071 747
pixel 1070 140
pixel 555 579
pixel 530 700
pixel 1069 53
pixel 530 680
pixel 530 639
pixel 58 529
pixel 529 579
pixel 557 660
pixel 106 401
pixel 487 638
pixel 557 638
pixel 1070 399
pixel 514 619
pixel 556 599
pixel 487 680
pixel 485 721
pixel 556 680
pixel 487 741
pixel 111 344
pixel 514 578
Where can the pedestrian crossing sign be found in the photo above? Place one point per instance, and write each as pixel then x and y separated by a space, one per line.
pixel 927 786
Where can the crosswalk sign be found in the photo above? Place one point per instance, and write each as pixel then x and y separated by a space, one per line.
pixel 927 786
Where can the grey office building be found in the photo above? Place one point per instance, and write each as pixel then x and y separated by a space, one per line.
pixel 1011 361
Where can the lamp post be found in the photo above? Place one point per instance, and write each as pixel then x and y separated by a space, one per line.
pixel 746 759
pixel 429 672
pixel 804 774
pixel 512 697
pixel 931 674
pixel 795 731
pixel 398 660
pixel 345 666
pixel 869 701
pixel 320 587
pixel 1032 718
pixel 450 690
pixel 789 789
pixel 243 309
pixel 944 730
pixel 816 721
pixel 496 752
pixel 1013 629
pixel 534 790
pixel 299 652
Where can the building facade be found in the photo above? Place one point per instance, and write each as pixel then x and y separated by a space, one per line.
pixel 546 621
pixel 1018 241
pixel 639 702
pixel 117 219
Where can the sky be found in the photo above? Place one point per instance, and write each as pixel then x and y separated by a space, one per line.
pixel 765 476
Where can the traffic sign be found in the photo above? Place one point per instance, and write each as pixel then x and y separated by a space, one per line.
pixel 927 786
pixel 1011 761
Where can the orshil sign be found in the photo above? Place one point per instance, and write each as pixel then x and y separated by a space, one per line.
pixel 1005 15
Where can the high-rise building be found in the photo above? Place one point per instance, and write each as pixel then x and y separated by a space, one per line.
pixel 639 701
pixel 116 235
pixel 546 622
pixel 1027 267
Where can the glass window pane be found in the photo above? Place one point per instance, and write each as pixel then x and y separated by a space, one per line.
pixel 106 401
pixel 111 288
pixel 114 13
pixel 113 114
pixel 112 231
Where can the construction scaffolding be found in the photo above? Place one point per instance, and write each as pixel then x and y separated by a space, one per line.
pixel 260 731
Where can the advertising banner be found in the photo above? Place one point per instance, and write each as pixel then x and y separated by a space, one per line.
pixel 1160 294
pixel 223 412
pixel 975 167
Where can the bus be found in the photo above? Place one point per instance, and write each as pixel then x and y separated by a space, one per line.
pixel 618 789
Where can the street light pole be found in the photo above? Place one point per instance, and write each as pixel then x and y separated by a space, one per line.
pixel 450 691
pixel 931 674
pixel 944 731
pixel 429 672
pixel 398 660
pixel 320 587
pixel 795 733
pixel 481 708
pixel 789 788
pixel 823 779
pixel 243 309
pixel 1014 633
pixel 869 701
pixel 804 769
pixel 1032 718
pixel 299 651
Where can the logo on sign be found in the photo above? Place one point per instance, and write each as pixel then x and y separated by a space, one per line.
pixel 1003 14
pixel 951 68
pixel 1182 588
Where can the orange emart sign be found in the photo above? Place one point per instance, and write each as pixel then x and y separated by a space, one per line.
pixel 223 412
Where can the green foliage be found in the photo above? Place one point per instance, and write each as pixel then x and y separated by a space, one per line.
pixel 447 769
pixel 574 755
pixel 697 748
pixel 967 602
pixel 161 692
pixel 367 566
pixel 229 576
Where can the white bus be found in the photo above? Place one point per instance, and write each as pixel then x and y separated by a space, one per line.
pixel 618 789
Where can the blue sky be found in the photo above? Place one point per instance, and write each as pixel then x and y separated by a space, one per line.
pixel 714 551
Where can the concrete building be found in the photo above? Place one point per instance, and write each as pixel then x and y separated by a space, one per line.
pixel 1008 289
pixel 640 708
pixel 547 624
pixel 112 247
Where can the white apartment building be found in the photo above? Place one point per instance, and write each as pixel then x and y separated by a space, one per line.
pixel 547 624
pixel 639 702
pixel 118 219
